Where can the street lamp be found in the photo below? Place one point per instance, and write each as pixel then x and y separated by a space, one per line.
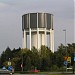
pixel 65 37
pixel 65 47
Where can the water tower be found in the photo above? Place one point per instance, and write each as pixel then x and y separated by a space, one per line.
pixel 39 28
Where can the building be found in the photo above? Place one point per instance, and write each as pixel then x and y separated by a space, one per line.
pixel 39 28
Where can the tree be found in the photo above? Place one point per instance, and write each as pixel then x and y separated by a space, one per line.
pixel 35 58
pixel 43 59
pixel 27 64
pixel 46 58
pixel 8 53
pixel 0 61
pixel 59 54
pixel 2 58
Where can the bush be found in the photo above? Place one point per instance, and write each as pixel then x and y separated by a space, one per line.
pixel 54 68
pixel 62 69
pixel 27 72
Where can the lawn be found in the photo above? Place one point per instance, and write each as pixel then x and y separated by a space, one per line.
pixel 56 74
pixel 46 73
pixel 61 74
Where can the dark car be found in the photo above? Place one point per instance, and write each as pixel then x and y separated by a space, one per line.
pixel 5 72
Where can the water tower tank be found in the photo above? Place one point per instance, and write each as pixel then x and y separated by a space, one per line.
pixel 39 27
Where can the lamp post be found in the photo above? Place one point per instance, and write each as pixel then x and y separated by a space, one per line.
pixel 65 47
pixel 65 39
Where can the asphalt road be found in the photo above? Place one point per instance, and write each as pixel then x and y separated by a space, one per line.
pixel 30 74
pixel 50 73
pixel 41 74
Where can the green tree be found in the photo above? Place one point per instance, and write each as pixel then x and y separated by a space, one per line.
pixel 35 58
pixel 27 64
pixel 43 59
pixel 8 53
pixel 59 54
pixel 46 58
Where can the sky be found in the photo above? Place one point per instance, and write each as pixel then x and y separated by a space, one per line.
pixel 11 12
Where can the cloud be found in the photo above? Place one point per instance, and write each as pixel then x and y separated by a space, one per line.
pixel 6 8
pixel 11 12
pixel 2 5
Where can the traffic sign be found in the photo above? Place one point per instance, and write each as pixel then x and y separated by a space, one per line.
pixel 69 59
pixel 10 68
pixel 65 58
pixel 3 67
pixel 65 63
pixel 9 63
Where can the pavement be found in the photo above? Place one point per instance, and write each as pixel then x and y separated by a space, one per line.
pixel 30 74
pixel 50 73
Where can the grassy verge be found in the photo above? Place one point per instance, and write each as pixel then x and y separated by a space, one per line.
pixel 46 73
pixel 56 74
pixel 61 74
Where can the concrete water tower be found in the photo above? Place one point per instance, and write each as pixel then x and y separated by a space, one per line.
pixel 39 28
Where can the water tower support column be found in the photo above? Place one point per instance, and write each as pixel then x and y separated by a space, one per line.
pixel 45 38
pixel 52 40
pixel 30 37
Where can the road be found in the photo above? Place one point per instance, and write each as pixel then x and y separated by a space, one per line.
pixel 43 74
pixel 30 74
pixel 50 73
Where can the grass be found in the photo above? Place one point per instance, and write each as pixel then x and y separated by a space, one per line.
pixel 62 74
pixel 57 74
pixel 52 74
pixel 45 73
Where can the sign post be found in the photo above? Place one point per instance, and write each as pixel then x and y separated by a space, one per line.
pixel 73 62
pixel 67 61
